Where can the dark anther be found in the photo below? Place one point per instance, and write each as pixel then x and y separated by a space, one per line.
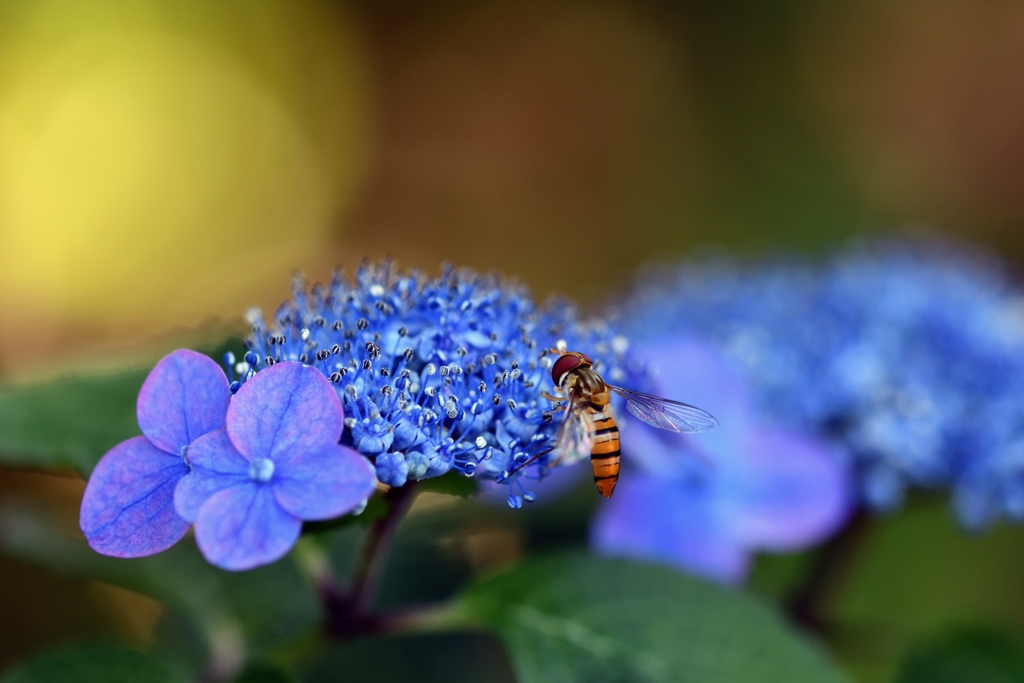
pixel 548 417
pixel 482 387
pixel 304 359
pixel 337 326
pixel 386 390
pixel 336 377
pixel 269 360
pixel 336 349
pixel 367 365
pixel 444 370
pixel 494 336
pixel 319 321
pixel 256 329
pixel 323 354
pixel 369 346
pixel 514 365
pixel 362 323
pixel 511 404
pixel 402 331
pixel 408 355
pixel 346 347
pixel 496 400
pixel 461 351
pixel 385 372
pixel 349 334
pixel 405 373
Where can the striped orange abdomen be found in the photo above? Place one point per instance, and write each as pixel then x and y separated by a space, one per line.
pixel 604 453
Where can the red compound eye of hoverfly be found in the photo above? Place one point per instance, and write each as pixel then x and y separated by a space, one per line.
pixel 564 364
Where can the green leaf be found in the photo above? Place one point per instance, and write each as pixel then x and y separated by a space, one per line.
pixel 967 657
pixel 93 664
pixel 578 618
pixel 452 484
pixel 263 673
pixel 71 421
pixel 268 606
pixel 455 657
pixel 376 508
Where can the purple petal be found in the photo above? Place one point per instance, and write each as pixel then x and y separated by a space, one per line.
pixel 185 396
pixel 325 483
pixel 785 491
pixel 692 372
pixel 243 527
pixel 128 506
pixel 287 409
pixel 668 521
pixel 695 373
pixel 216 465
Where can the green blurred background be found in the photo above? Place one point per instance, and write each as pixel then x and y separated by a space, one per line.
pixel 164 163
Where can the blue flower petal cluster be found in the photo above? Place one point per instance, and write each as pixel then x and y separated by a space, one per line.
pixel 436 374
pixel 706 503
pixel 276 463
pixel 908 356
pixel 245 469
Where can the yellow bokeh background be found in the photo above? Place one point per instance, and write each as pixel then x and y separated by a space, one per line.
pixel 160 163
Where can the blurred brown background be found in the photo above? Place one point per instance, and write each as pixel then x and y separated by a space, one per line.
pixel 164 162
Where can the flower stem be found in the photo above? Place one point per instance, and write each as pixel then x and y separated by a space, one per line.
pixel 810 605
pixel 370 565
pixel 350 612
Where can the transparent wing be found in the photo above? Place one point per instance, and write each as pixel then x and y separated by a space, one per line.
pixel 665 414
pixel 575 434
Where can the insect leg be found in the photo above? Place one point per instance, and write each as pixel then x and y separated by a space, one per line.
pixel 530 462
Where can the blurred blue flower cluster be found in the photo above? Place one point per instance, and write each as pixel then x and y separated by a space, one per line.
pixel 707 502
pixel 906 356
pixel 436 374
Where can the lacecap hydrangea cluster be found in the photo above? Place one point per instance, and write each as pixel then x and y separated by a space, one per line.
pixel 908 356
pixel 435 373
pixel 392 378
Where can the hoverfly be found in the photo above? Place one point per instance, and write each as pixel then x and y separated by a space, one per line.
pixel 589 428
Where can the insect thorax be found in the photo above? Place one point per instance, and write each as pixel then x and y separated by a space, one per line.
pixel 587 383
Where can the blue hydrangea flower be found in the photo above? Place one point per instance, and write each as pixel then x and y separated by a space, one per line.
pixel 128 506
pixel 436 374
pixel 707 504
pixel 908 356
pixel 276 463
